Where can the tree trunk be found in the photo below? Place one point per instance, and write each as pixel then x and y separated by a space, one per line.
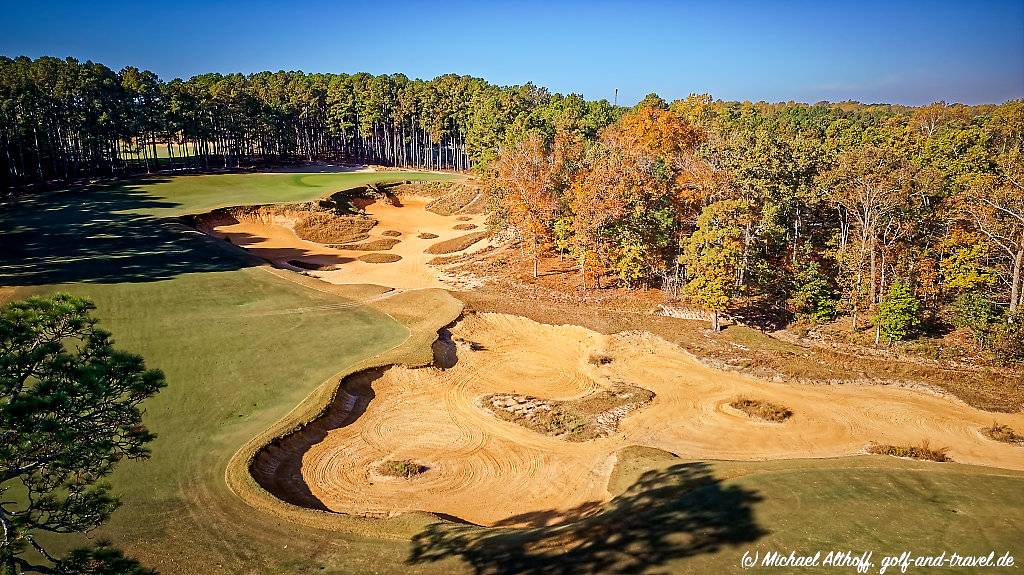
pixel 1016 280
pixel 715 325
pixel 536 258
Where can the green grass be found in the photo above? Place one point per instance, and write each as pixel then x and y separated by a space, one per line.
pixel 202 193
pixel 242 347
pixel 676 516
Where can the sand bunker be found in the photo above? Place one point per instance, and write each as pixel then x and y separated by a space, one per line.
pixel 272 236
pixel 484 469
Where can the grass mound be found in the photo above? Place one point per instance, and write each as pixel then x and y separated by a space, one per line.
pixel 464 227
pixel 764 410
pixel 1003 433
pixel 329 228
pixel 463 218
pixel 372 246
pixel 379 258
pixel 427 236
pixel 590 417
pixel 403 469
pixel 391 233
pixel 923 451
pixel 456 244
pixel 599 359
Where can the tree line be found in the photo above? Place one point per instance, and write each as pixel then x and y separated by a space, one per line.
pixel 62 120
pixel 900 220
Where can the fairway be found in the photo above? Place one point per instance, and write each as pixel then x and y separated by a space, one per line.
pixel 251 352
pixel 194 194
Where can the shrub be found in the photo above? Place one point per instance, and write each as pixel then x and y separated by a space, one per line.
pixel 899 312
pixel 599 359
pixel 456 244
pixel 404 469
pixel 812 297
pixel 972 310
pixel 1003 433
pixel 1009 340
pixel 923 451
pixel 762 409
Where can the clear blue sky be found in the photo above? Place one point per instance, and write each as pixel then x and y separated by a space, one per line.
pixel 902 52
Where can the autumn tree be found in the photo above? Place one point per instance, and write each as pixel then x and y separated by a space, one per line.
pixel 869 186
pixel 713 254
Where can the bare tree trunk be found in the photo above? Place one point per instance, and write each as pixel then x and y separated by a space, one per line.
pixel 536 258
pixel 715 325
pixel 1015 281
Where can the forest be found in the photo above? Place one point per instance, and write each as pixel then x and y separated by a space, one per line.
pixel 902 221
pixel 63 120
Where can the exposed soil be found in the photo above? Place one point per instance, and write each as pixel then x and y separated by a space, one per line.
pixel 379 258
pixel 486 470
pixel 456 244
pixel 370 246
pixel 763 410
pixel 595 415
pixel 924 451
pixel 518 416
pixel 404 469
pixel 268 232
pixel 449 197
pixel 1003 433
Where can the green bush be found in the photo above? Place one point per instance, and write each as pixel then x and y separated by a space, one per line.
pixel 899 313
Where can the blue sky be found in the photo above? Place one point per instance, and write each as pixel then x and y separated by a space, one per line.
pixel 902 52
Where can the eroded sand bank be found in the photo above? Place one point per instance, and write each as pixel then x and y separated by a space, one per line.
pixel 490 471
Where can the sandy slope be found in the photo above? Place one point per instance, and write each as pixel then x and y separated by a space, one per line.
pixel 490 471
pixel 279 244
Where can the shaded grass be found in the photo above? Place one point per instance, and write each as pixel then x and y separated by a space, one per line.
pixel 670 515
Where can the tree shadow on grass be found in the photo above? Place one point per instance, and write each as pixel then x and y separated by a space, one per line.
pixel 666 515
pixel 102 234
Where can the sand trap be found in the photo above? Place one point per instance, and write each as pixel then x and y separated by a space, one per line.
pixel 489 471
pixel 273 240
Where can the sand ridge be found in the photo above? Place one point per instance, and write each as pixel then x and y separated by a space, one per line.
pixel 275 241
pixel 493 472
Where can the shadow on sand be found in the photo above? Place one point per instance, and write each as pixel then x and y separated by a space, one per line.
pixel 669 514
pixel 102 235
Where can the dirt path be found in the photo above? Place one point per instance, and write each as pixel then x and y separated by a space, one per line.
pixel 490 471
